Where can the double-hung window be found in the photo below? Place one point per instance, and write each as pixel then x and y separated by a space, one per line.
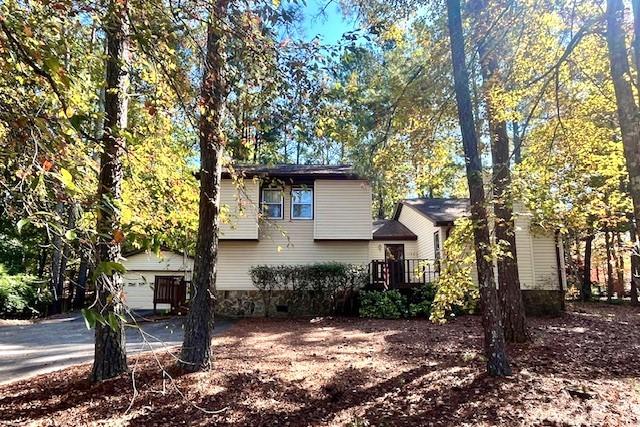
pixel 272 203
pixel 302 203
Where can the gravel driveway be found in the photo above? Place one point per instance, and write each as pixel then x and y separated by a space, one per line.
pixel 49 345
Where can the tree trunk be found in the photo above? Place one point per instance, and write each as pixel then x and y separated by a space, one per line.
pixel 513 313
pixel 635 5
pixel 517 143
pixel 607 242
pixel 110 352
pixel 586 274
pixel 42 262
pixel 497 363
pixel 628 115
pixel 196 348
pixel 81 283
pixel 635 263
pixel 619 266
pixel 66 253
pixel 56 265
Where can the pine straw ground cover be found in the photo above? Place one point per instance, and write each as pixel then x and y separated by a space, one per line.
pixel 580 369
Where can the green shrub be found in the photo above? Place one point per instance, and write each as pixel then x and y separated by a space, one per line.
pixel 319 287
pixel 383 304
pixel 421 300
pixel 22 295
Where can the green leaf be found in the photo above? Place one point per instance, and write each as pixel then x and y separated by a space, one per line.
pixel 67 179
pixel 114 321
pixel 22 223
pixel 71 235
pixel 90 317
pixel 108 268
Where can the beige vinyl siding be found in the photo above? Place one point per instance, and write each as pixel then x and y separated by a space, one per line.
pixel 138 288
pixel 296 246
pixel 142 270
pixel 342 210
pixel 524 248
pixel 546 264
pixel 242 204
pixel 376 248
pixel 165 261
pixel 421 227
pixel 537 266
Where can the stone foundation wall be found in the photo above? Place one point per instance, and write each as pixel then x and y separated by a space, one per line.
pixel 538 302
pixel 281 303
pixel 252 304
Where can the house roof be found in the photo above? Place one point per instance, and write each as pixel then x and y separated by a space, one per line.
pixel 439 211
pixel 296 171
pixel 391 229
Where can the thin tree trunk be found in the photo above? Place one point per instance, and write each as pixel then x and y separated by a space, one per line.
pixel 607 242
pixel 110 353
pixel 628 114
pixel 517 143
pixel 513 313
pixel 42 261
pixel 619 265
pixel 196 348
pixel 66 253
pixel 494 343
pixel 635 263
pixel 586 279
pixel 56 265
pixel 81 283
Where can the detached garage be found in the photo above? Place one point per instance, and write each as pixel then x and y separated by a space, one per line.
pixel 156 281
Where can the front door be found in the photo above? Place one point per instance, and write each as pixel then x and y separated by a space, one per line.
pixel 394 257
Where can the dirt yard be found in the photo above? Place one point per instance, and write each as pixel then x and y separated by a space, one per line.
pixel 581 369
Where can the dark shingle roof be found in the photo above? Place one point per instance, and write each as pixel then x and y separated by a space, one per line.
pixel 299 171
pixel 390 229
pixel 440 211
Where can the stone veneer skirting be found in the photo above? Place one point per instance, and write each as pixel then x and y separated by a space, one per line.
pixel 539 302
pixel 252 304
pixel 281 303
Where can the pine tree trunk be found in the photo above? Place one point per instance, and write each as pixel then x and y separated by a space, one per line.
pixel 635 263
pixel 619 266
pixel 196 348
pixel 517 143
pixel 607 242
pixel 56 265
pixel 586 274
pixel 494 343
pixel 66 253
pixel 513 312
pixel 81 283
pixel 110 357
pixel 635 5
pixel 628 114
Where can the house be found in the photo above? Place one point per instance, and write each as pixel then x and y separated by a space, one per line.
pixel 305 214
pixel 540 254
pixel 153 281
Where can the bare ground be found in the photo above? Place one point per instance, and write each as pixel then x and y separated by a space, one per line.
pixel 580 369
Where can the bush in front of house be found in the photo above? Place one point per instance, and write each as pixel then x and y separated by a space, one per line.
pixel 392 304
pixel 313 289
pixel 383 304
pixel 21 295
pixel 421 300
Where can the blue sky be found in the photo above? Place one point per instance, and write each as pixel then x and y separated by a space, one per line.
pixel 329 27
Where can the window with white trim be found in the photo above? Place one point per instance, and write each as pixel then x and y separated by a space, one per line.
pixel 272 203
pixel 302 203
